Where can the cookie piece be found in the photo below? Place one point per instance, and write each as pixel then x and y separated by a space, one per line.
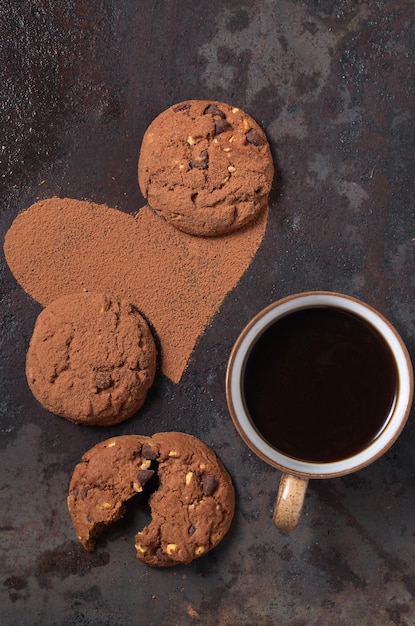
pixel 206 167
pixel 108 475
pixel 91 359
pixel 191 508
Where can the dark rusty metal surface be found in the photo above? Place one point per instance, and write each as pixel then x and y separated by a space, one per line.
pixel 332 83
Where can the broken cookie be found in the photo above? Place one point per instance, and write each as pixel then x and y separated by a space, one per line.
pixel 191 508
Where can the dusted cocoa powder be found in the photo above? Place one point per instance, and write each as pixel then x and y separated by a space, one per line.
pixel 178 281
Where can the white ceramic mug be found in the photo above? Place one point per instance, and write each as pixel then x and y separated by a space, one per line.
pixel 297 472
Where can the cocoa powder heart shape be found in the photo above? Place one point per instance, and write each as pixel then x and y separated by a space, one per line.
pixel 178 281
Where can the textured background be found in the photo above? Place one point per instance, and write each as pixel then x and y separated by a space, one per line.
pixel 332 83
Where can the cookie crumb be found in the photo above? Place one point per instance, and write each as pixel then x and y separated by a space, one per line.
pixel 192 612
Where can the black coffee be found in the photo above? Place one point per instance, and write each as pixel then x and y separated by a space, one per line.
pixel 319 384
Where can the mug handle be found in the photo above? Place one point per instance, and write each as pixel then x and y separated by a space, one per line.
pixel 290 501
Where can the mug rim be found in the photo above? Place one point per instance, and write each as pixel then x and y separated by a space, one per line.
pixel 249 335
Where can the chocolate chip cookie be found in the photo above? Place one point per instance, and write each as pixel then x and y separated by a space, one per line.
pixel 206 167
pixel 192 498
pixel 91 359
